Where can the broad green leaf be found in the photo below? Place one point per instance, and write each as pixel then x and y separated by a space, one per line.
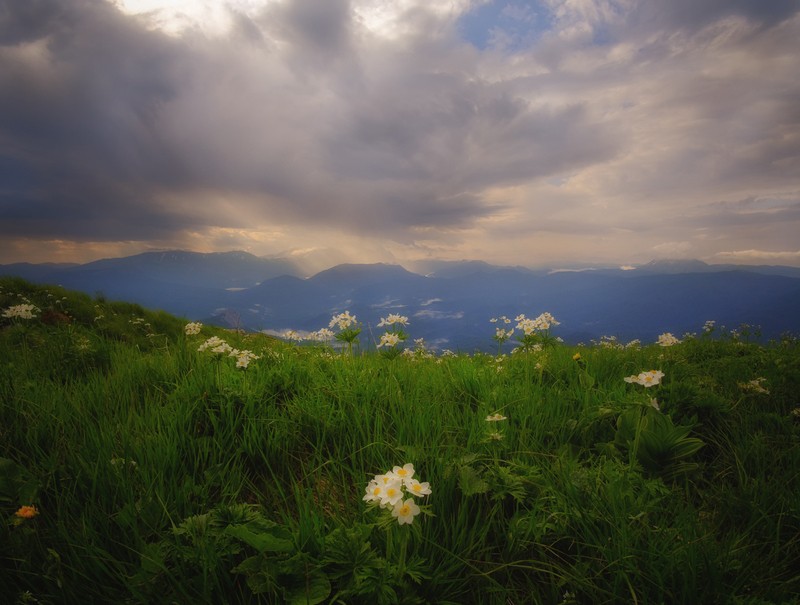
pixel 263 536
pixel 316 590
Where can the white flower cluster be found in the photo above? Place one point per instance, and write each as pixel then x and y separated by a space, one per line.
pixel 646 379
pixel 420 351
pixel 387 491
pixel 216 345
pixel 219 347
pixel 497 362
pixel 394 319
pixel 192 328
pixel 122 462
pixel 502 334
pixel 394 334
pixel 343 321
pixel 321 335
pixel 389 339
pixel 667 340
pixel 611 342
pixel 25 311
pixel 755 386
pixel 541 323
pixel 243 358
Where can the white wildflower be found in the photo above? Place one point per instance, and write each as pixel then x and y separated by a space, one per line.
pixel 405 511
pixel 389 340
pixel 321 335
pixel 192 328
pixel 343 321
pixel 215 343
pixel 388 491
pixel 667 340
pixel 496 417
pixel 646 379
pixel 25 311
pixel 243 358
pixel 755 386
pixel 394 319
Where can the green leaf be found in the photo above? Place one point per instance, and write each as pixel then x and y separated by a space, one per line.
pixel 261 577
pixel 316 590
pixel 470 481
pixel 263 535
pixel 585 379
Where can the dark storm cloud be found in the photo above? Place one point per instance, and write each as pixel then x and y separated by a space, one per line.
pixel 30 20
pixel 79 121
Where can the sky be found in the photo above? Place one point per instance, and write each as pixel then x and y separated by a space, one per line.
pixel 536 133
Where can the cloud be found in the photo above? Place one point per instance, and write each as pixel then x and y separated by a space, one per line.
pixel 429 314
pixel 80 124
pixel 790 256
pixel 688 14
pixel 602 128
pixel 672 249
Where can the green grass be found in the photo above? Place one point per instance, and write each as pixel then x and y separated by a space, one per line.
pixel 163 475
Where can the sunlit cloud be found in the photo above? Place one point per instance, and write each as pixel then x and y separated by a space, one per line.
pixel 750 256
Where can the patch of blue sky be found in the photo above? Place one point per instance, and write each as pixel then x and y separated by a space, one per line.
pixel 601 36
pixel 508 25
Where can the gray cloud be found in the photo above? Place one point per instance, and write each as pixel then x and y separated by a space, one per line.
pixel 25 21
pixel 80 122
pixel 302 115
pixel 689 14
pixel 322 28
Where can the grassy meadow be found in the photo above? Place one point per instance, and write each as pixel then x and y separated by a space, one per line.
pixel 137 468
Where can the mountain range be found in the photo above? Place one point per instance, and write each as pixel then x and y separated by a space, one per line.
pixel 449 304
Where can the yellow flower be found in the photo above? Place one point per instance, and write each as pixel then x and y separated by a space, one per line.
pixel 576 357
pixel 26 512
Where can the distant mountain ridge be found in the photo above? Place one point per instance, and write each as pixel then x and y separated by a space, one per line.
pixel 450 304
